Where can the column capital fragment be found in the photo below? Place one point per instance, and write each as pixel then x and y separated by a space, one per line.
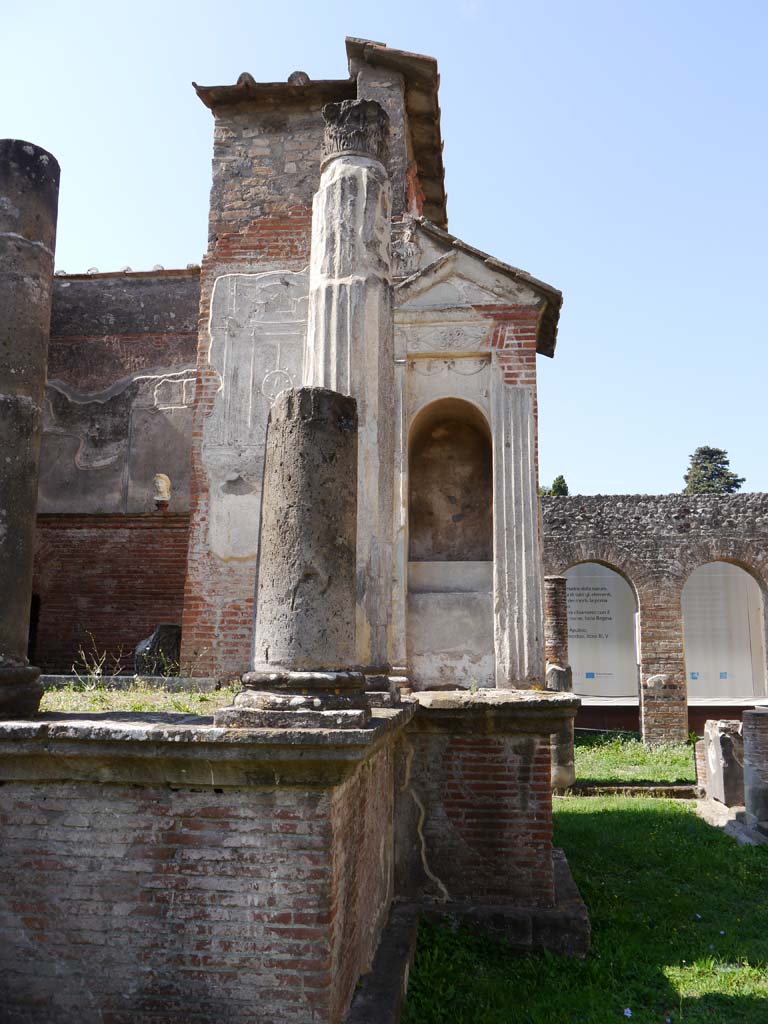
pixel 355 128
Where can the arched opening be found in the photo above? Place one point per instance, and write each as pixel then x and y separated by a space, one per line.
pixel 449 634
pixel 450 478
pixel 724 631
pixel 602 631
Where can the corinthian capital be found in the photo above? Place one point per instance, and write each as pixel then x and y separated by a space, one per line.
pixel 357 127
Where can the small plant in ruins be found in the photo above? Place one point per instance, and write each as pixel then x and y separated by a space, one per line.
pixel 92 664
pixel 167 666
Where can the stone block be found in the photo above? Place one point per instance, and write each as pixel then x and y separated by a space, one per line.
pixel 725 762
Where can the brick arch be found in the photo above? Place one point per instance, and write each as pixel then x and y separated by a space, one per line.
pixel 608 564
pixel 743 556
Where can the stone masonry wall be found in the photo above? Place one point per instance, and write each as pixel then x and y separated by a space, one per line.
pixel 266 168
pixel 120 391
pixel 655 542
pixel 131 905
pixel 110 577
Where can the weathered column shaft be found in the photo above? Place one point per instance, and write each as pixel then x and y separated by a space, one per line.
pixel 304 646
pixel 305 595
pixel 350 338
pixel 29 192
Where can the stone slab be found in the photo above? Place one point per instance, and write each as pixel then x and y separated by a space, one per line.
pixel 528 711
pixel 185 750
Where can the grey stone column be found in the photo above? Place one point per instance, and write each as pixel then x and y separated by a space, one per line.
pixel 304 647
pixel 350 339
pixel 29 195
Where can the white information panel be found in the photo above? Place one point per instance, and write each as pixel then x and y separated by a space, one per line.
pixel 602 633
pixel 724 633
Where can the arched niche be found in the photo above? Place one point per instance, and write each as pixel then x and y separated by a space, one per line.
pixel 723 624
pixel 449 620
pixel 602 631
pixel 450 484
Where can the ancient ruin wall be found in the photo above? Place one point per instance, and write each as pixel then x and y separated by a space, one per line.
pixel 265 172
pixel 120 391
pixel 656 541
pixel 118 410
pixel 245 904
pixel 102 583
pixel 658 535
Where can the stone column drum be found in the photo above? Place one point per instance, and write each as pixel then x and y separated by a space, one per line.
pixel 304 646
pixel 29 195
pixel 350 339
pixel 559 676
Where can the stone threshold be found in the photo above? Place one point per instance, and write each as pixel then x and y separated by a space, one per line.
pixel 563 929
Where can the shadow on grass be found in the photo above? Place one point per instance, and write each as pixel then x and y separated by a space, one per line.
pixel 680 931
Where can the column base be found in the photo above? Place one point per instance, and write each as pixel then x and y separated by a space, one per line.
pixel 298 700
pixel 20 691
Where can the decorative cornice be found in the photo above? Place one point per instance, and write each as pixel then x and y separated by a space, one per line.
pixel 355 127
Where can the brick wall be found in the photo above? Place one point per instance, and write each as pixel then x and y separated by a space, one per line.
pixel 152 905
pixel 115 577
pixel 483 806
pixel 655 542
pixel 755 734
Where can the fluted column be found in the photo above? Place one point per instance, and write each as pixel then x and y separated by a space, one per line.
pixel 29 195
pixel 350 339
pixel 517 565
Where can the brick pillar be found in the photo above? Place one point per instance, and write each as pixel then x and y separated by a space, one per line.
pixel 663 691
pixel 29 197
pixel 755 733
pixel 559 676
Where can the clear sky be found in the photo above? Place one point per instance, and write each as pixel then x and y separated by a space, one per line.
pixel 616 150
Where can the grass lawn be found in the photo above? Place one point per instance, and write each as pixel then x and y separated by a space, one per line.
pixel 679 929
pixel 613 759
pixel 138 697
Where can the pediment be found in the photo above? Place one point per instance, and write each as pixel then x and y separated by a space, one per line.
pixel 460 281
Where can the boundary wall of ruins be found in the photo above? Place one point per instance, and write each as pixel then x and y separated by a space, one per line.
pixel 655 542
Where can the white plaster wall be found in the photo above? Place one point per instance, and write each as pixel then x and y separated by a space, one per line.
pixel 257 329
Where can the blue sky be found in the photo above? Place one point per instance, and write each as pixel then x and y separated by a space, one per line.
pixel 617 150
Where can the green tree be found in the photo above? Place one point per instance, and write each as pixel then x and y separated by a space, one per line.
pixel 708 473
pixel 559 488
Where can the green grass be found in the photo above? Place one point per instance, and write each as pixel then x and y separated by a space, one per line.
pixel 138 697
pixel 680 931
pixel 618 758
